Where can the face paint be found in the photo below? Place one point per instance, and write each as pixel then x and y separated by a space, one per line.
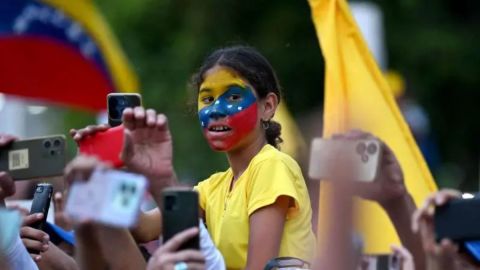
pixel 227 109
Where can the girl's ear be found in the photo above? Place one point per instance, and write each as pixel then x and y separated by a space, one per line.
pixel 269 106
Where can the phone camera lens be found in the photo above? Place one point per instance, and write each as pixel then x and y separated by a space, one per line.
pixel 361 148
pixel 39 189
pixel 170 202
pixel 372 149
pixel 56 143
pixel 47 144
pixel 52 152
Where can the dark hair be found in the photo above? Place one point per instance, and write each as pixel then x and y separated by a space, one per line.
pixel 253 67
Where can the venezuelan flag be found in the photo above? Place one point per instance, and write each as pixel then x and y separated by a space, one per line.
pixel 60 51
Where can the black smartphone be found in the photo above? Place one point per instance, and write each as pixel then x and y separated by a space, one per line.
pixel 34 157
pixel 117 102
pixel 180 212
pixel 458 220
pixel 41 204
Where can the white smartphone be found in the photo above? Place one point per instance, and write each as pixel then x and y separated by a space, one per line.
pixel 361 157
pixel 109 197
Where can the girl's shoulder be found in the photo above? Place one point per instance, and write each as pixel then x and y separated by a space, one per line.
pixel 271 156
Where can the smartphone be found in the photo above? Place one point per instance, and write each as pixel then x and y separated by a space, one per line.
pixel 383 262
pixel 109 197
pixel 34 157
pixel 41 203
pixel 106 146
pixel 180 212
pixel 361 157
pixel 117 102
pixel 458 220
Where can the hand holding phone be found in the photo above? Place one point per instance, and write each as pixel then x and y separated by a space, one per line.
pixel 458 220
pixel 360 157
pixel 180 212
pixel 34 157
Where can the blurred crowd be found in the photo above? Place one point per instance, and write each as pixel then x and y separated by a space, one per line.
pixel 114 209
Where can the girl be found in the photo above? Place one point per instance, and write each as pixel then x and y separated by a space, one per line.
pixel 257 209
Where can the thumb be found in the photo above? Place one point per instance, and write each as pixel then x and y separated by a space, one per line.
pixel 30 219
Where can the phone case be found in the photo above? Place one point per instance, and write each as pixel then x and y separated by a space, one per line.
pixel 180 212
pixel 34 158
pixel 117 102
pixel 41 204
pixel 361 157
pixel 458 220
pixel 106 146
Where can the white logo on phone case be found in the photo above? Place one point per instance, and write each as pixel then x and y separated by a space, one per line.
pixel 18 159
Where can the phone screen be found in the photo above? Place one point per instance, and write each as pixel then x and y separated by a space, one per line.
pixel 117 103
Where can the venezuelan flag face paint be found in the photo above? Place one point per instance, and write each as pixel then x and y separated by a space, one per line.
pixel 227 108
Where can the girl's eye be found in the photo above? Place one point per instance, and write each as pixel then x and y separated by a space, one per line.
pixel 207 100
pixel 234 97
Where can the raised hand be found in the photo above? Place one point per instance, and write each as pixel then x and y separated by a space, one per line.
pixel 80 134
pixel 166 257
pixel 148 146
pixel 389 184
pixel 443 255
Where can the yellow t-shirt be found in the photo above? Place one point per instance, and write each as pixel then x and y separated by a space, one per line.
pixel 269 175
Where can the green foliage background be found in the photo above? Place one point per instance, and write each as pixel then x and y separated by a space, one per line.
pixel 432 42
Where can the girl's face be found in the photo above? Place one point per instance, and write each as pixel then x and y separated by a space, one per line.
pixel 227 108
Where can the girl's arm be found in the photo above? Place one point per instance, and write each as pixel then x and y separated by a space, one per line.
pixel 266 230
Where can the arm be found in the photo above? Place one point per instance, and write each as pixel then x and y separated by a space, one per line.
pixel 56 259
pixel 119 249
pixel 400 212
pixel 88 254
pixel 266 230
pixel 389 190
pixel 149 226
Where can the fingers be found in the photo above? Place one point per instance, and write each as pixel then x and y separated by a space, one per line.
pixel 80 134
pixel 34 240
pixel 175 242
pixel 31 219
pixel 36 257
pixel 6 139
pixel 7 186
pixel 188 255
pixel 81 168
pixel 445 195
pixel 34 245
pixel 138 117
pixel 58 202
pixel 402 252
pixel 151 117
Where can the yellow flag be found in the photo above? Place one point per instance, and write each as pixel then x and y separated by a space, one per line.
pixel 358 96
pixel 293 142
